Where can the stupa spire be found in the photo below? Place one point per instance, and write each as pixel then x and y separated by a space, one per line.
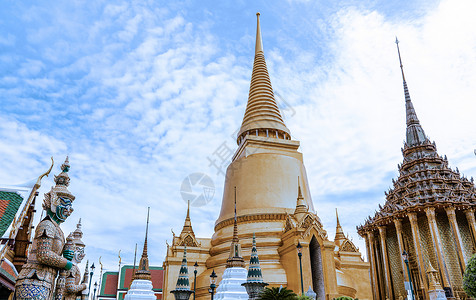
pixel 254 271
pixel 254 281
pixel 340 236
pixel 262 115
pixel 143 271
pixel 235 259
pixel 415 134
pixel 183 282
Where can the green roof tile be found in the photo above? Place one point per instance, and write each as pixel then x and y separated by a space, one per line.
pixel 9 204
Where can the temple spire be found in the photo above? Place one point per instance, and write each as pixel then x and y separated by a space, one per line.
pixel 235 224
pixel 143 269
pixel 415 134
pixel 254 271
pixel 340 236
pixel 235 259
pixel 262 116
pixel 259 42
pixel 183 282
pixel 187 226
pixel 301 207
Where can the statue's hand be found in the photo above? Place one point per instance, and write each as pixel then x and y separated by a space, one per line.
pixel 68 254
pixel 69 265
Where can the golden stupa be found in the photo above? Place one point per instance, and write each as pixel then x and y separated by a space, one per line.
pixel 274 202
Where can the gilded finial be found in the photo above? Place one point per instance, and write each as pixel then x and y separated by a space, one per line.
pixel 259 43
pixel 337 217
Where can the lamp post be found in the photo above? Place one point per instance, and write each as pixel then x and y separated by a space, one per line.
pixel 195 266
pixel 91 277
pixel 405 259
pixel 299 249
pixel 95 288
pixel 213 281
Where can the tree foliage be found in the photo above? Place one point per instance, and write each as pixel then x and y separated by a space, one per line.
pixel 469 278
pixel 276 293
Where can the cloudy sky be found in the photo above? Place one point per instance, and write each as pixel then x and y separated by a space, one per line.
pixel 140 93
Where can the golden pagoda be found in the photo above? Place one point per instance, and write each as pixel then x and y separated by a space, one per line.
pixel 429 214
pixel 275 204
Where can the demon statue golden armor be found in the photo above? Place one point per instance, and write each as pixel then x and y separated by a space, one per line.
pixel 47 255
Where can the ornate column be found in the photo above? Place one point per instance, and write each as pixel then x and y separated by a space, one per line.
pixel 417 245
pixel 398 227
pixel 383 243
pixel 435 237
pixel 472 224
pixel 373 265
pixel 450 212
pixel 367 245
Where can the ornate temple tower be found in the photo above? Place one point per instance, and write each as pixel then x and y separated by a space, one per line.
pixel 275 203
pixel 141 287
pixel 429 213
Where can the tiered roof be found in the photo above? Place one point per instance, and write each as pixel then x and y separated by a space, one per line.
pixel 424 176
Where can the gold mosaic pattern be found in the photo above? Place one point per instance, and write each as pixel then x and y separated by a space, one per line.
pixel 465 235
pixel 449 251
pixel 395 257
pixel 427 247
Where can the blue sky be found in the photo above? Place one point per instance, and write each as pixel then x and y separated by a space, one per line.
pixel 140 93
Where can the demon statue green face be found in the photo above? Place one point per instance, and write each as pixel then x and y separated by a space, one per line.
pixel 58 202
pixel 49 258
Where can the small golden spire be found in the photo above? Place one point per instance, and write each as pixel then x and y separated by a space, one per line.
pixel 301 207
pixel 337 217
pixel 340 236
pixel 187 225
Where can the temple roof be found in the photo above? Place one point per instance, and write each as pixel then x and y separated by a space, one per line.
pixel 262 110
pixel 424 176
pixel 109 281
pixel 9 204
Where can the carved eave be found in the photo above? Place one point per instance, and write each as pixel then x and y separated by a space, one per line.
pixel 189 240
pixel 348 246
pixel 186 239
pixel 290 223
